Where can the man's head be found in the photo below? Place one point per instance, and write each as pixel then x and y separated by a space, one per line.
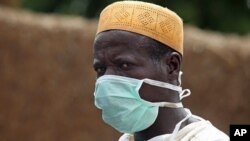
pixel 137 58
pixel 139 40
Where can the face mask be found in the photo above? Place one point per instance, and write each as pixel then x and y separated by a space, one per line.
pixel 123 108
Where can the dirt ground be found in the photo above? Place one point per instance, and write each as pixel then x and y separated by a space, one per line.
pixel 47 80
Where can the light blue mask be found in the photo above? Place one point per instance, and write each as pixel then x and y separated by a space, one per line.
pixel 123 108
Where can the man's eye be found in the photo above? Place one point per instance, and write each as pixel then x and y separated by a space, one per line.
pixel 100 70
pixel 125 66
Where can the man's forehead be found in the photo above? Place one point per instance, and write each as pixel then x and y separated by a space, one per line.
pixel 120 43
pixel 118 37
pixel 111 34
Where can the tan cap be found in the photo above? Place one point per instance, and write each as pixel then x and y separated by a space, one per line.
pixel 148 19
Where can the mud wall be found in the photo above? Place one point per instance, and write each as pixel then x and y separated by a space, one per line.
pixel 46 78
pixel 217 70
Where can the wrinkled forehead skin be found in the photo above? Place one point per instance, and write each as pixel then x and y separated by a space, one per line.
pixel 128 40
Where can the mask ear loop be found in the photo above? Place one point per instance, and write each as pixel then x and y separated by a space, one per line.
pixel 185 93
pixel 179 78
pixel 162 84
pixel 168 86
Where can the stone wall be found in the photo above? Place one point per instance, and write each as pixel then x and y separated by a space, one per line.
pixel 47 81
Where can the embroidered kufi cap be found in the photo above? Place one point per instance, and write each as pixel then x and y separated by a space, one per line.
pixel 144 18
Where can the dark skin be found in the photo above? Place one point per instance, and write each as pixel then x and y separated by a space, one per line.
pixel 123 53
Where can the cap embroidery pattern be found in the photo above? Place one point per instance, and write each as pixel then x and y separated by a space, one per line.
pixel 144 18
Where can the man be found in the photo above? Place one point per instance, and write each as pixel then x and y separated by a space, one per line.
pixel 138 52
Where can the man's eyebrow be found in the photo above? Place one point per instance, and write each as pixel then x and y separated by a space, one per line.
pixel 124 57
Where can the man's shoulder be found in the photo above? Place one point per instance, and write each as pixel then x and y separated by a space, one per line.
pixel 202 131
pixel 211 133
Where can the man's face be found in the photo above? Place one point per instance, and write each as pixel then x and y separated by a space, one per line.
pixel 123 53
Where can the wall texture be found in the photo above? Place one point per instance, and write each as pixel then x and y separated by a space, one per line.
pixel 47 81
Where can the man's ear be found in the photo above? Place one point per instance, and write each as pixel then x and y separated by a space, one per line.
pixel 173 63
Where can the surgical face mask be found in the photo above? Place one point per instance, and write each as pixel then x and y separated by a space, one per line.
pixel 123 108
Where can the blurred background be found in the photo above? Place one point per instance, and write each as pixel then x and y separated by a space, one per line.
pixel 47 80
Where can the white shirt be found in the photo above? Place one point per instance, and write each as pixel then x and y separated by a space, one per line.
pixel 198 131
